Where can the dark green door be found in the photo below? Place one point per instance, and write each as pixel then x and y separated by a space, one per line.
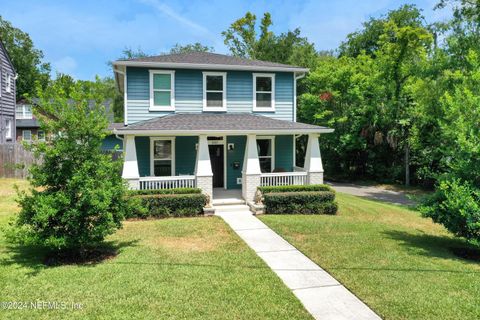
pixel 216 159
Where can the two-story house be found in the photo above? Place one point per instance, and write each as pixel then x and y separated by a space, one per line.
pixel 213 121
pixel 7 97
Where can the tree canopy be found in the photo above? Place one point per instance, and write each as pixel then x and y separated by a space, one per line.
pixel 27 60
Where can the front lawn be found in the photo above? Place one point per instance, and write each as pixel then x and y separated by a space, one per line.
pixel 399 263
pixel 191 268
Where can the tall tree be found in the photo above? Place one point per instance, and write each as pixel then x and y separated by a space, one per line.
pixel 243 40
pixel 27 60
pixel 193 47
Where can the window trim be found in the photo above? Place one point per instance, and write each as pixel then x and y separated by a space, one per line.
pixel 23 135
pixel 272 156
pixel 172 157
pixel 8 86
pixel 8 131
pixel 224 91
pixel 263 75
pixel 24 106
pixel 38 135
pixel 171 107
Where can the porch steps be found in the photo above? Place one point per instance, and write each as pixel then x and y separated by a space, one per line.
pixel 227 202
pixel 231 208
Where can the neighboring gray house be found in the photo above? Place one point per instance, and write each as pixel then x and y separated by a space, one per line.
pixel 7 97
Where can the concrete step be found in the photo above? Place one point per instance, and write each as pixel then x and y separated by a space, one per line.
pixel 227 201
pixel 231 208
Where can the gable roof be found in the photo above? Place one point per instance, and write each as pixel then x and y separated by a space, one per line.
pixel 208 60
pixel 7 55
pixel 239 123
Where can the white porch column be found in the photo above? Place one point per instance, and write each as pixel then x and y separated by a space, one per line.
pixel 203 167
pixel 313 160
pixel 130 164
pixel 251 169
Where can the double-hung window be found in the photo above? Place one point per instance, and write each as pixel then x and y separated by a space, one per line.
pixel 162 162
pixel 214 91
pixel 162 90
pixel 41 135
pixel 27 135
pixel 8 85
pixel 264 92
pixel 266 151
pixel 24 111
pixel 8 129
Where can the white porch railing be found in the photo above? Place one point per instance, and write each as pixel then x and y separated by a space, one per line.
pixel 148 183
pixel 283 178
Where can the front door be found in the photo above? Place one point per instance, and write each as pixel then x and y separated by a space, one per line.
pixel 216 158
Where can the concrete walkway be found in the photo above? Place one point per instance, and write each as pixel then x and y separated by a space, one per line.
pixel 323 296
pixel 395 197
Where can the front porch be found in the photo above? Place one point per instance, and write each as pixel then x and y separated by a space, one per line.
pixel 230 159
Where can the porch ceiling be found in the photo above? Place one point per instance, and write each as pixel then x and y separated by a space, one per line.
pixel 210 123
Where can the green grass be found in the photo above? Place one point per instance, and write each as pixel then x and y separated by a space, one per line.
pixel 393 259
pixel 166 269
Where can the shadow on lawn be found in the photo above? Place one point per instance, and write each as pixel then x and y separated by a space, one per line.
pixel 430 245
pixel 35 258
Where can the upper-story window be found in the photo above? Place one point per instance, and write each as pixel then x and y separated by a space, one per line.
pixel 263 92
pixel 162 90
pixel 8 87
pixel 214 91
pixel 24 111
pixel 8 129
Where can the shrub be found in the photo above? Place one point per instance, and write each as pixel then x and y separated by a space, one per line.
pixel 305 202
pixel 295 188
pixel 170 205
pixel 165 191
pixel 77 197
pixel 456 205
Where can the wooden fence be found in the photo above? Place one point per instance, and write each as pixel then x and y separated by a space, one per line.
pixel 14 160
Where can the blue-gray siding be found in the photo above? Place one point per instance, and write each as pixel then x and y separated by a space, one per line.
pixel 7 99
pixel 110 142
pixel 189 93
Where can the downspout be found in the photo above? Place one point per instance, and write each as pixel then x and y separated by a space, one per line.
pixel 300 76
pixel 124 92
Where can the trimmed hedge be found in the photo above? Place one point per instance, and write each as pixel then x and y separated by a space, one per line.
pixel 165 191
pixel 295 188
pixel 170 205
pixel 305 202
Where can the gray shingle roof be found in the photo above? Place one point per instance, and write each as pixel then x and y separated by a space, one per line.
pixel 211 122
pixel 27 123
pixel 209 58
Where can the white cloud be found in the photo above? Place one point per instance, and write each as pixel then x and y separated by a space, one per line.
pixel 165 9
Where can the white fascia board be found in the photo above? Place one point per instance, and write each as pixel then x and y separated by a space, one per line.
pixel 220 132
pixel 206 66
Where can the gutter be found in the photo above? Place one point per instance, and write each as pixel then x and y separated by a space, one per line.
pixel 220 132
pixel 206 66
pixel 300 76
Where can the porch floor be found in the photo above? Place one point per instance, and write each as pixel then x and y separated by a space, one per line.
pixel 231 196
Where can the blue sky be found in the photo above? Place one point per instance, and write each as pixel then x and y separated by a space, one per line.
pixel 79 37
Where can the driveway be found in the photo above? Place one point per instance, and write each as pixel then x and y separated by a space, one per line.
pixel 372 192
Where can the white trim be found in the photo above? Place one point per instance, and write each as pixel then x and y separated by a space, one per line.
pixel 263 109
pixel 207 66
pixel 224 91
pixel 272 147
pixel 23 135
pixel 171 107
pixel 295 78
pixel 172 157
pixel 1 80
pixel 125 98
pixel 221 132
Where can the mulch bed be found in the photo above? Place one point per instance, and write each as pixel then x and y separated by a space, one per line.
pixel 90 256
